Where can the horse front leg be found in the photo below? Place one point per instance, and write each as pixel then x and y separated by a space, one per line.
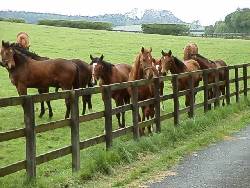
pixel 118 115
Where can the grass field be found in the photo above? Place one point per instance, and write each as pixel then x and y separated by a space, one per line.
pixel 74 43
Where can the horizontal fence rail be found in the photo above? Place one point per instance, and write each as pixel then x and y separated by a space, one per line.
pixel 30 130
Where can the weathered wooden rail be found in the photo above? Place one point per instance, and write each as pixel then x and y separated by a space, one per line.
pixel 30 130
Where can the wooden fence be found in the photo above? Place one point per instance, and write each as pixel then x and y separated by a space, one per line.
pixel 30 130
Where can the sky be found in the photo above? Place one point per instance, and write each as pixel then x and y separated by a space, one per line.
pixel 207 11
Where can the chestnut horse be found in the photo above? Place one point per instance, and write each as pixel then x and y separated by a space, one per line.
pixel 158 66
pixel 176 66
pixel 25 72
pixel 142 69
pixel 207 64
pixel 190 49
pixel 108 73
pixel 23 40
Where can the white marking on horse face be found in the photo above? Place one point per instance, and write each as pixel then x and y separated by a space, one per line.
pixel 93 68
pixel 157 67
pixel 93 72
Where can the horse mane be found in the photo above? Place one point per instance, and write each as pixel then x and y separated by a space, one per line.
pixel 209 61
pixel 178 62
pixel 25 52
pixel 136 68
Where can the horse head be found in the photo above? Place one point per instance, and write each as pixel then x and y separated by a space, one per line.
pixel 158 65
pixel 7 53
pixel 97 68
pixel 166 61
pixel 145 59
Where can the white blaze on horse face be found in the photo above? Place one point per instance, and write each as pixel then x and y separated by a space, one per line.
pixel 157 67
pixel 93 72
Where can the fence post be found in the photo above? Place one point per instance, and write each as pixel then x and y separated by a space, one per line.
pixel 30 135
pixel 236 83
pixel 157 104
pixel 108 115
pixel 227 86
pixel 75 140
pixel 191 96
pixel 205 83
pixel 245 79
pixel 135 112
pixel 217 89
pixel 176 99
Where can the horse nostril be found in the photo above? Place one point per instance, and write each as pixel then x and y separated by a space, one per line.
pixel 164 74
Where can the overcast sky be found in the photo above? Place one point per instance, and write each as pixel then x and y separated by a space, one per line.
pixel 207 11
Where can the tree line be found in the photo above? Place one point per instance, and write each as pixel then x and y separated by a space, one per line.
pixel 236 22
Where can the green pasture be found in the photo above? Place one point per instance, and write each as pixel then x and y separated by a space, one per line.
pixel 71 43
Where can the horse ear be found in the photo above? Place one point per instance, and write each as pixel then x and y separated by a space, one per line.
pixel 162 53
pixel 169 52
pixel 150 49
pixel 142 49
pixel 101 58
pixel 3 43
pixel 91 57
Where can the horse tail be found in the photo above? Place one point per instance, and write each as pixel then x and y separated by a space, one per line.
pixel 76 83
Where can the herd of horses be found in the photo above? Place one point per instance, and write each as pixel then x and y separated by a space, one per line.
pixel 29 70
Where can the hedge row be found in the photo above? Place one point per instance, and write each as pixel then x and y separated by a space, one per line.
pixel 165 29
pixel 12 20
pixel 77 24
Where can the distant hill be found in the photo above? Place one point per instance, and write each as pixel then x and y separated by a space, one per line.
pixel 134 17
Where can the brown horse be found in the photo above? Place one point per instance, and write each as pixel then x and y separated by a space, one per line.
pixel 207 64
pixel 158 66
pixel 108 73
pixel 142 69
pixel 85 80
pixel 169 62
pixel 23 40
pixel 190 49
pixel 26 72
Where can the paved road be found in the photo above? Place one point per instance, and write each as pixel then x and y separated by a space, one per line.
pixel 224 165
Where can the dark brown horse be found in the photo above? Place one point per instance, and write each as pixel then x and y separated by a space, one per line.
pixel 85 80
pixel 176 66
pixel 207 64
pixel 190 49
pixel 142 68
pixel 108 73
pixel 26 72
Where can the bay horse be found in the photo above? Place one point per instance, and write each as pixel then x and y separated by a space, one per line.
pixel 176 66
pixel 142 68
pixel 25 72
pixel 23 40
pixel 108 73
pixel 85 80
pixel 190 49
pixel 158 66
pixel 207 64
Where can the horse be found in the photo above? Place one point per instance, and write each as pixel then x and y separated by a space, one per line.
pixel 158 66
pixel 176 66
pixel 207 64
pixel 142 69
pixel 23 40
pixel 85 80
pixel 108 73
pixel 25 72
pixel 190 49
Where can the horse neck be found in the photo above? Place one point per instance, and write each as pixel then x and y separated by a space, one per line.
pixel 174 69
pixel 107 77
pixel 204 64
pixel 136 69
